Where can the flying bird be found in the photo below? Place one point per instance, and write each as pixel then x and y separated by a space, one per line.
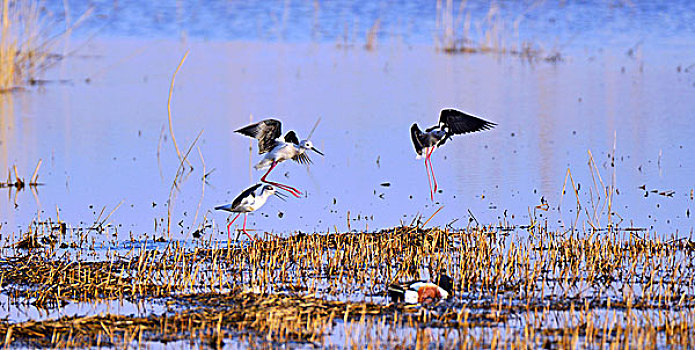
pixel 250 200
pixel 277 149
pixel 451 122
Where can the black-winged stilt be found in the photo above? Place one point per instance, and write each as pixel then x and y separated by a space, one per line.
pixel 451 122
pixel 251 199
pixel 278 149
pixel 422 292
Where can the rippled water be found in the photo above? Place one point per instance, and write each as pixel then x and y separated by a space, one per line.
pixel 574 23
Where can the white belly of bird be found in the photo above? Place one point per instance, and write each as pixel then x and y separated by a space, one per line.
pixel 252 203
pixel 424 152
pixel 278 154
pixel 286 152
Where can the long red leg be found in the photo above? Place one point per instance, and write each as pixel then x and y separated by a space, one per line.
pixel 244 229
pixel 295 192
pixel 432 169
pixel 229 233
pixel 272 166
pixel 427 157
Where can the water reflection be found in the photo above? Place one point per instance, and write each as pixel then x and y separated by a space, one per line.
pixel 6 127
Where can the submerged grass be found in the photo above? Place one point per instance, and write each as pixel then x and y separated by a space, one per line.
pixel 515 288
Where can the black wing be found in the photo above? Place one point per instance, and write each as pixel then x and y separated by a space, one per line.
pixel 266 131
pixel 418 138
pixel 302 158
pixel 291 137
pixel 247 192
pixel 457 122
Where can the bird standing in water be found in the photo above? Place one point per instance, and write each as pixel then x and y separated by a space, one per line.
pixel 451 122
pixel 278 149
pixel 250 200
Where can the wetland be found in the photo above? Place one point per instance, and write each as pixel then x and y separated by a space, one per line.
pixel 568 225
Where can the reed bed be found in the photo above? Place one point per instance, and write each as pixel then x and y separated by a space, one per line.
pixel 526 287
pixel 459 33
pixel 28 38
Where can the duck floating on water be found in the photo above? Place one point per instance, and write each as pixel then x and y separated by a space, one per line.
pixel 422 292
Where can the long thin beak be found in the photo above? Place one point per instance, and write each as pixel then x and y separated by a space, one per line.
pixel 280 195
pixel 317 151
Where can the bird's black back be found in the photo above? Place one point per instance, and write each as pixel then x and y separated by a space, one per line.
pixel 266 131
pixel 247 192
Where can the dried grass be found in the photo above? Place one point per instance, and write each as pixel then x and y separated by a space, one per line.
pixel 605 287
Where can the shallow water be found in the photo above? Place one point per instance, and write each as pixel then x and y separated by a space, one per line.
pixel 624 88
pixel 106 141
pixel 23 311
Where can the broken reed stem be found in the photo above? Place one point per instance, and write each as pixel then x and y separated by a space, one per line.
pixel 35 175
pixel 159 148
pixel 591 194
pixel 171 91
pixel 609 197
pixel 16 174
pixel 96 222
pixel 314 128
pixel 435 213
pixel 576 194
pixel 179 170
pixel 202 193
pixel 473 216
pixel 110 213
pixel 604 188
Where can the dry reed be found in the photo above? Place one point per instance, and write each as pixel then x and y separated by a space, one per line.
pixel 543 288
pixel 27 40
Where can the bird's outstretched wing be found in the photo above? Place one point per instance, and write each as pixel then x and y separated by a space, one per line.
pixel 266 131
pixel 302 158
pixel 456 122
pixel 235 203
pixel 418 139
pixel 291 137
